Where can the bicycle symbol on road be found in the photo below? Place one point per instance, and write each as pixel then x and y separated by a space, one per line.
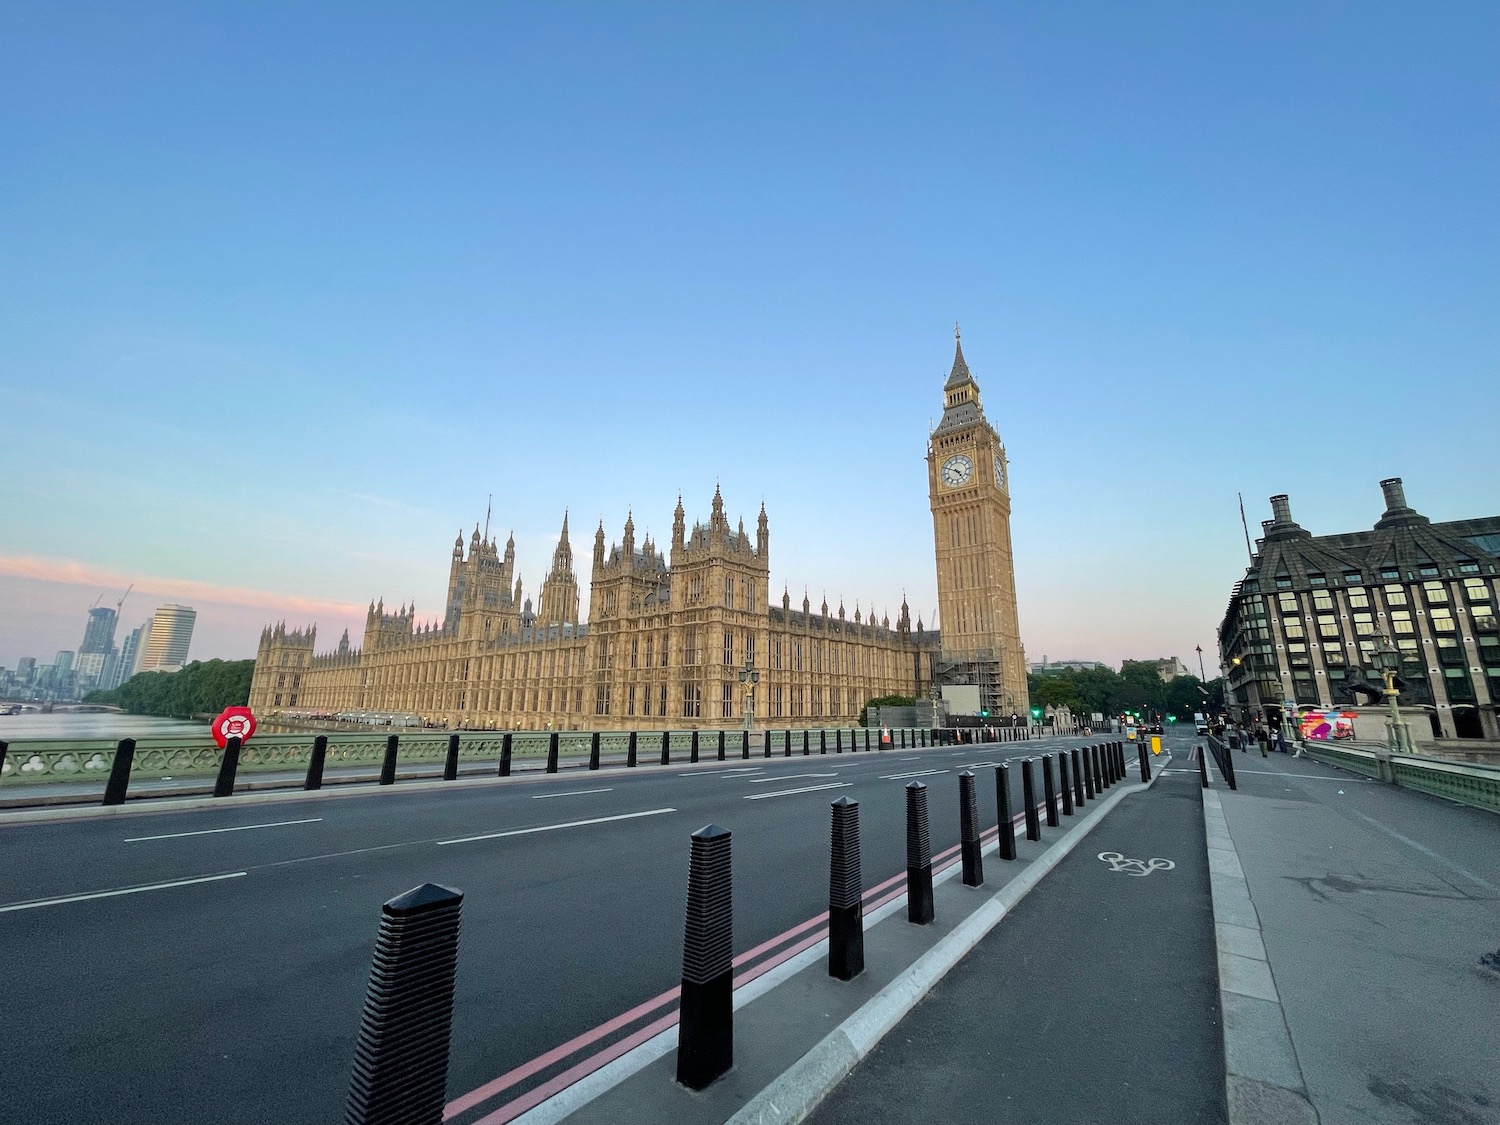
pixel 1140 867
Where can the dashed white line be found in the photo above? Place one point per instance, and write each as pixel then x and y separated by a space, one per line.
pixel 914 773
pixel 722 773
pixel 788 777
pixel 804 789
pixel 34 904
pixel 573 793
pixel 213 831
pixel 555 827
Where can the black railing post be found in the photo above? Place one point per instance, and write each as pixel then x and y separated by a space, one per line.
pixel 846 923
pixel 632 751
pixel 401 1056
pixel 1049 792
pixel 552 740
pixel 450 763
pixel 4 746
pixel 594 750
pixel 315 763
pixel 1028 798
pixel 229 765
pixel 666 747
pixel 1078 772
pixel 705 1029
pixel 505 754
pixel 1145 764
pixel 918 856
pixel 721 745
pixel 119 772
pixel 1007 841
pixel 1064 786
pixel 1203 766
pixel 968 831
pixel 388 763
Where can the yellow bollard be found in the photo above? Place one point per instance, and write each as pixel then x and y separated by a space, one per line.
pixel 1156 744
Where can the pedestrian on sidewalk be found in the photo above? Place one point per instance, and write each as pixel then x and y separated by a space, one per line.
pixel 1263 738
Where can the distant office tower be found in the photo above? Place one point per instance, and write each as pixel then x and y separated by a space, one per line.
pixel 89 668
pixel 99 636
pixel 166 647
pixel 62 663
pixel 130 654
pixel 26 669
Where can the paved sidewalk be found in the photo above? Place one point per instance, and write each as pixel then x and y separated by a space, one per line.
pixel 1373 906
pixel 1095 1001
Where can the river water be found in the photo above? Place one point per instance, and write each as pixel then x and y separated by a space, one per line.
pixel 67 724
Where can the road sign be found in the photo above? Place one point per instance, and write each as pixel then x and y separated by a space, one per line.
pixel 233 722
pixel 1155 744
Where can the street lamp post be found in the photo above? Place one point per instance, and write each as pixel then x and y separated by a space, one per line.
pixel 749 677
pixel 1387 660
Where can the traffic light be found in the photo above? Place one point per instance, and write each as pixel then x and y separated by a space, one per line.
pixel 984 714
pixel 1036 712
pixel 1171 718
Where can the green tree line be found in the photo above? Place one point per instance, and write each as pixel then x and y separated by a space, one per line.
pixel 202 687
pixel 1135 687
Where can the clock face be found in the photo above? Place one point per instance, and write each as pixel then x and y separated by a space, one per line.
pixel 999 472
pixel 957 471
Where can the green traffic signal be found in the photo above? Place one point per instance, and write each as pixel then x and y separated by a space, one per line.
pixel 984 714
pixel 1171 718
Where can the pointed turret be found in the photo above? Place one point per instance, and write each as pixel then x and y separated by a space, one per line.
pixel 959 375
pixel 599 545
pixel 627 544
pixel 458 546
pixel 679 525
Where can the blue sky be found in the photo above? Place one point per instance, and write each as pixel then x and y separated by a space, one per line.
pixel 288 290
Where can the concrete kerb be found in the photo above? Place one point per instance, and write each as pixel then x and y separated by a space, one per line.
pixel 798 1090
pixel 1262 1078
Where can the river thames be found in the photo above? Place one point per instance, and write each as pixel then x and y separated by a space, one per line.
pixel 91 724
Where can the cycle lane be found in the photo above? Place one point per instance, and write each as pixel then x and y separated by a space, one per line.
pixel 1095 1000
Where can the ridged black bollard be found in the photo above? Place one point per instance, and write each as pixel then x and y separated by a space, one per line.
pixel 1118 757
pixel 705 1029
pixel 838 741
pixel 229 765
pixel 594 750
pixel 1078 772
pixel 632 752
pixel 1203 766
pixel 1099 782
pixel 1049 792
pixel 450 762
pixel 1226 767
pixel 1088 776
pixel 806 745
pixel 867 739
pixel 552 740
pixel 119 772
pixel 1145 764
pixel 401 1056
pixel 721 746
pixel 1063 785
pixel 506 749
pixel 822 742
pixel 4 746
pixel 1028 799
pixel 666 747
pixel 744 745
pixel 693 748
pixel 315 763
pixel 968 831
pixel 388 763
pixel 846 922
pixel 1007 840
pixel 786 743
pixel 918 856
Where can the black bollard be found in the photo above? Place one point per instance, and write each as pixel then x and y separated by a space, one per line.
pixel 918 856
pixel 721 746
pixel 838 741
pixel 401 1056
pixel 119 772
pixel 846 923
pixel 1227 769
pixel 744 745
pixel 505 753
pixel 388 764
pixel 450 763
pixel 766 742
pixel 1077 778
pixel 666 747
pixel 229 765
pixel 1007 826
pixel 867 739
pixel 968 831
pixel 1049 792
pixel 1203 766
pixel 315 763
pixel 822 742
pixel 1117 756
pixel 1063 785
pixel 4 746
pixel 903 738
pixel 1099 785
pixel 787 743
pixel 594 750
pixel 705 1029
pixel 631 754
pixel 1028 799
pixel 693 749
pixel 806 745
pixel 1145 764
pixel 552 752
pixel 1088 776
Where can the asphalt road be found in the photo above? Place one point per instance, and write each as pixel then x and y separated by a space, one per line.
pixel 237 998
pixel 1095 1000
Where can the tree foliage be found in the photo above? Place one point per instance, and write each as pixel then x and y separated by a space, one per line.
pixel 1135 687
pixel 199 688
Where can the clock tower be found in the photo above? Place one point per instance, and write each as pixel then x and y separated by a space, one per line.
pixel 969 489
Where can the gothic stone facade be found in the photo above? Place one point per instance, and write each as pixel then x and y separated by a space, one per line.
pixel 667 637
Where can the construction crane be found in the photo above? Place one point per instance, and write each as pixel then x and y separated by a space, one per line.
pixel 121 602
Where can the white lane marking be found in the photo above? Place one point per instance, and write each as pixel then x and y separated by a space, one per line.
pixel 722 773
pixel 979 766
pixel 918 758
pixel 915 773
pixel 212 831
pixel 1308 776
pixel 555 827
pixel 573 793
pixel 804 789
pixel 1409 842
pixel 787 777
pixel 122 891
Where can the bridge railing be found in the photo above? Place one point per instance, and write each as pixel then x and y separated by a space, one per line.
pixel 1467 784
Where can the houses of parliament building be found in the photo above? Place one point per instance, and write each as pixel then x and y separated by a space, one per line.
pixel 671 631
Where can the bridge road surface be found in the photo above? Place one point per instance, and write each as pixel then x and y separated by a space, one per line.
pixel 235 995
pixel 1095 1000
